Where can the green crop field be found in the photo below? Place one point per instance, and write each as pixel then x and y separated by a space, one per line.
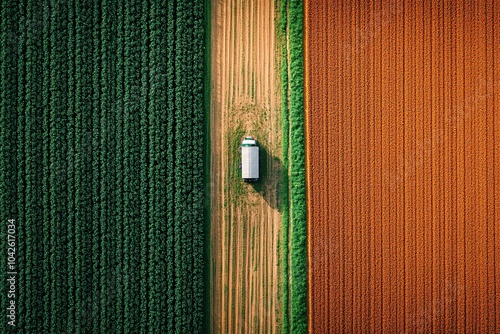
pixel 102 165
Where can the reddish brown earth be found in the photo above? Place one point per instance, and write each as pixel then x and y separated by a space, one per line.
pixel 403 151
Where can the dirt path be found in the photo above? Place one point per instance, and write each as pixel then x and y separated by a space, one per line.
pixel 246 219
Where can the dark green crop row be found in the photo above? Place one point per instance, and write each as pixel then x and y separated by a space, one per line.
pixel 102 164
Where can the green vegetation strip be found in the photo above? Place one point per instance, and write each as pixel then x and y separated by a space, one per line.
pixel 282 32
pixel 102 164
pixel 294 251
pixel 298 291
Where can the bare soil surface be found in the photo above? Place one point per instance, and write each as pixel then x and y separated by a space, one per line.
pixel 246 218
pixel 403 148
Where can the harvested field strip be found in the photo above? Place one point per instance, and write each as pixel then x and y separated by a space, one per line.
pixel 284 259
pixel 402 151
pixel 245 218
pixel 102 164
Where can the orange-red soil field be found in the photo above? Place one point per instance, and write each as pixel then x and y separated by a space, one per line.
pixel 403 165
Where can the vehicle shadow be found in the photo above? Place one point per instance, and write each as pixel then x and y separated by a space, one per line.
pixel 270 184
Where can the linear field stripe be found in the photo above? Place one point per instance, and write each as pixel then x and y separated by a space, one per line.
pixel 83 166
pixel 59 165
pixel 284 254
pixel 107 272
pixel 180 161
pixel 97 221
pixel 131 162
pixel 298 317
pixel 198 176
pixel 171 239
pixel 496 158
pixel 157 157
pixel 490 302
pixel 190 169
pixel 33 166
pixel 119 171
pixel 21 157
pixel 71 209
pixel 8 135
pixel 46 223
pixel 145 128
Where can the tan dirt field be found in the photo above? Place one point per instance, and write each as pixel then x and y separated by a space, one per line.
pixel 403 151
pixel 245 219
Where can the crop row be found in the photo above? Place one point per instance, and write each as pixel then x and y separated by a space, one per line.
pixel 102 129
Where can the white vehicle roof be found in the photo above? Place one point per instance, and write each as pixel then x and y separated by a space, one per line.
pixel 250 162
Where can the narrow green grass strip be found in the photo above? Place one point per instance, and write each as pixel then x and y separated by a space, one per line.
pixel 298 287
pixel 294 252
pixel 282 33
